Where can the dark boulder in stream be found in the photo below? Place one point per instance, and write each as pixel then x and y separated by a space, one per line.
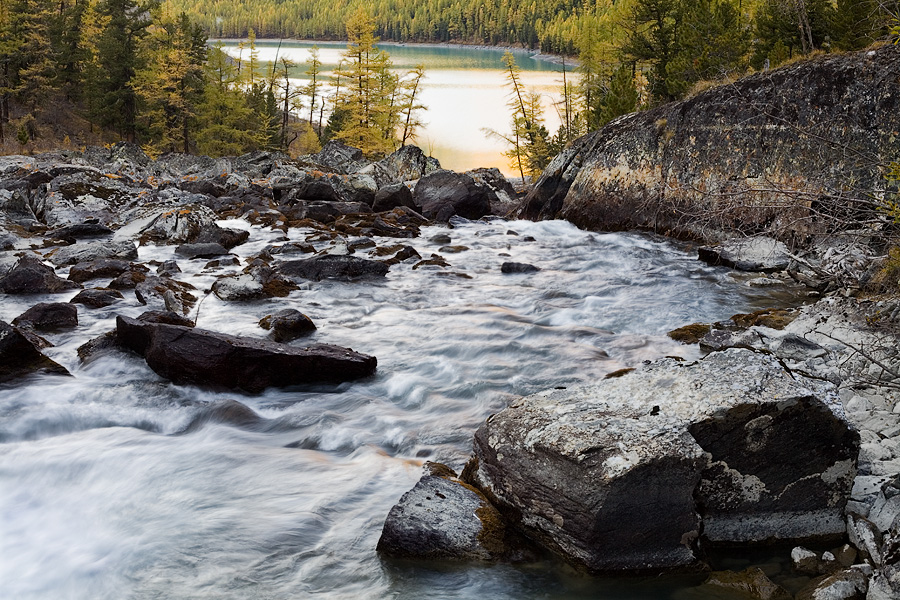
pixel 19 357
pixel 49 316
pixel 443 194
pixel 31 276
pixel 198 356
pixel 330 266
pixel 444 518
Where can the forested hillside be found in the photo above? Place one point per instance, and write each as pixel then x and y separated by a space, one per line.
pixel 550 24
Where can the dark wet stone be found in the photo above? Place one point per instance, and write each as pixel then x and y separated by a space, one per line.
pixel 201 250
pixel 48 316
pixel 443 194
pixel 19 357
pixel 106 267
pixel 333 267
pixel 97 297
pixel 288 324
pixel 392 196
pixel 514 267
pixel 31 276
pixel 443 518
pixel 225 412
pixel 197 356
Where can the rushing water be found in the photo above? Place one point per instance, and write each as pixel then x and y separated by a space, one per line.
pixel 103 496
pixel 464 89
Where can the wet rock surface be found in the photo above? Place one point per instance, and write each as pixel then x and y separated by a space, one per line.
pixel 31 276
pixel 19 357
pixel 443 518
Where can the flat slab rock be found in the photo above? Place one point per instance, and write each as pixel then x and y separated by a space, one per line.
pixel 748 254
pixel 625 474
pixel 190 355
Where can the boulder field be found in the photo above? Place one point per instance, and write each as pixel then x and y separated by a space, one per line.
pixel 86 214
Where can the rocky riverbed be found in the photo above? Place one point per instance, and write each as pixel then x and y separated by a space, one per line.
pixel 780 434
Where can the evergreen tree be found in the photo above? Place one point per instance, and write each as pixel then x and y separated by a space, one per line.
pixel 622 97
pixel 856 23
pixel 653 29
pixel 311 90
pixel 227 126
pixel 118 61
pixel 171 85
pixel 363 97
pixel 70 54
pixel 711 43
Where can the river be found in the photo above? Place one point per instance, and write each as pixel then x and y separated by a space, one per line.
pixel 464 91
pixel 103 496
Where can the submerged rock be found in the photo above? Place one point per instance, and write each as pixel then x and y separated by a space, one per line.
pixel 97 297
pixel 189 355
pixel 619 476
pixel 752 583
pixel 227 412
pixel 515 267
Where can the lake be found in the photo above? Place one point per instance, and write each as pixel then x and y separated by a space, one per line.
pixel 464 89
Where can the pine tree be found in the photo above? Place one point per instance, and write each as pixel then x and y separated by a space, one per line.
pixel 653 28
pixel 622 97
pixel 227 126
pixel 118 61
pixel 363 105
pixel 171 85
pixel 855 23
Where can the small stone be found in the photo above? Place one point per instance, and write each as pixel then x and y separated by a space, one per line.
pixel 804 561
pixel 288 324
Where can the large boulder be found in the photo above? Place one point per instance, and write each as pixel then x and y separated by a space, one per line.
pixel 407 163
pixel 443 194
pixel 19 357
pixel 764 155
pixel 630 473
pixel 31 276
pixel 340 158
pixel 189 355
pixel 392 196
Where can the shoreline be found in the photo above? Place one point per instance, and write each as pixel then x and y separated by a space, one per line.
pixel 556 59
